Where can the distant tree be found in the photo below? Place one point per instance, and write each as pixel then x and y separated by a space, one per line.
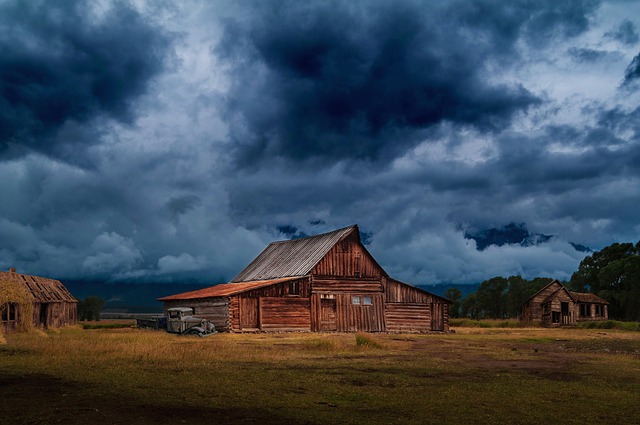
pixel 492 298
pixel 614 274
pixel 454 294
pixel 469 306
pixel 90 308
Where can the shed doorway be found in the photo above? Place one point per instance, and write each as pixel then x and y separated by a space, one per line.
pixel 328 315
pixel 249 318
pixel 44 310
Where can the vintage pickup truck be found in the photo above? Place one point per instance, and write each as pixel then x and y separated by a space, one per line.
pixel 179 320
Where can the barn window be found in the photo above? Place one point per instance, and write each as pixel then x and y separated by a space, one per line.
pixel 584 310
pixel 294 288
pixel 598 310
pixel 361 300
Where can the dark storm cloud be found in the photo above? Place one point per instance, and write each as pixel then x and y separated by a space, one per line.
pixel 61 63
pixel 625 33
pixel 584 55
pixel 363 79
pixel 632 73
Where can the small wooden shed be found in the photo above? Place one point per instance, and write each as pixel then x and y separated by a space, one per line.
pixel 53 305
pixel 555 305
pixel 322 283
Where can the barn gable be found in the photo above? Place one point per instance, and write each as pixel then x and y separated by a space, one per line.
pixel 292 258
pixel 327 282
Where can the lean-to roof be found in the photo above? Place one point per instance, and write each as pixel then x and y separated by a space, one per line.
pixel 292 258
pixel 225 289
pixel 44 290
pixel 584 297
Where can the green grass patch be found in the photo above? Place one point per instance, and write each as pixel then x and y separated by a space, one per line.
pixel 510 323
pixel 610 324
pixel 366 341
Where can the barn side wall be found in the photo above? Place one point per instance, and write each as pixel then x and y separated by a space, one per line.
pixel 277 308
pixel 55 315
pixel 410 309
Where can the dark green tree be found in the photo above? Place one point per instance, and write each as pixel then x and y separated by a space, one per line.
pixel 90 308
pixel 469 306
pixel 454 294
pixel 614 274
pixel 492 298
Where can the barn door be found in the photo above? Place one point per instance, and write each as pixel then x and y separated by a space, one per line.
pixel 437 317
pixel 328 315
pixel 248 313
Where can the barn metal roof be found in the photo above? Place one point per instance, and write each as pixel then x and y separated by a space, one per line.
pixel 292 258
pixel 44 290
pixel 225 289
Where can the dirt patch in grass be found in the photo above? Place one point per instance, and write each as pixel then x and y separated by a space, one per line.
pixel 22 399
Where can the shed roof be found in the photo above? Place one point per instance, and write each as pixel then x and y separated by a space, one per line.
pixel 584 297
pixel 295 257
pixel 225 289
pixel 44 290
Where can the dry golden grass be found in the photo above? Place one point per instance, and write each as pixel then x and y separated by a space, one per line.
pixel 13 292
pixel 476 375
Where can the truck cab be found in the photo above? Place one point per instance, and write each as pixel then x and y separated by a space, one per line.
pixel 180 320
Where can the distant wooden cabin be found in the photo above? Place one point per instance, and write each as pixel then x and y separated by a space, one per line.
pixel 53 305
pixel 322 283
pixel 555 305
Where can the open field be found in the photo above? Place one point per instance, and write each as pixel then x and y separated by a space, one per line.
pixel 475 376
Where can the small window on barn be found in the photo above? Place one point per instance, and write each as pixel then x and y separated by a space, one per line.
pixel 367 301
pixel 294 288
pixel 598 310
pixel 355 300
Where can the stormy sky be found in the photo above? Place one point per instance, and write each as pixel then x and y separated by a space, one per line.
pixel 145 141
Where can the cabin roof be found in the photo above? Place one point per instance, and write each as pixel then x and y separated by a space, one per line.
pixel 225 289
pixel 295 257
pixel 44 290
pixel 584 297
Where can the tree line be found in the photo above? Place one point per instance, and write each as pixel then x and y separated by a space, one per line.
pixel 612 273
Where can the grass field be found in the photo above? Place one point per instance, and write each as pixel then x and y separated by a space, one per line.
pixel 474 376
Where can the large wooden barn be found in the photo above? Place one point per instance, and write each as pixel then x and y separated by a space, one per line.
pixel 555 305
pixel 322 283
pixel 52 304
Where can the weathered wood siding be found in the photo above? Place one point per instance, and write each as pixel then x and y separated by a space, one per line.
pixel 408 317
pixel 285 314
pixel 332 285
pixel 554 305
pixel 54 315
pixel 410 309
pixel 337 312
pixel 348 258
pixel 532 310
